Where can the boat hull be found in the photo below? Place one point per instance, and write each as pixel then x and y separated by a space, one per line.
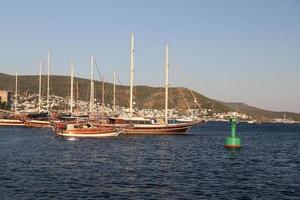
pixel 88 134
pixel 7 122
pixel 37 124
pixel 84 130
pixel 172 129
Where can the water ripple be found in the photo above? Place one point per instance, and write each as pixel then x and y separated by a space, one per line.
pixel 35 164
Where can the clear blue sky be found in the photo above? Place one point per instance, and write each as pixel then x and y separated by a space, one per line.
pixel 241 51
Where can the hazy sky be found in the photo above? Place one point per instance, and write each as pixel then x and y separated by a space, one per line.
pixel 241 51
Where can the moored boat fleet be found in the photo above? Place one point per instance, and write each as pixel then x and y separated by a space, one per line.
pixel 77 126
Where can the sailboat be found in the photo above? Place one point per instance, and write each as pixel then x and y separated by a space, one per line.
pixel 40 119
pixel 140 125
pixel 84 129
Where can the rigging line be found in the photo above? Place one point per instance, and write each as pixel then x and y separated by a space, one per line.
pixel 99 73
pixel 183 77
pixel 184 99
pixel 172 71
pixel 119 81
pixel 195 100
pixel 172 100
pixel 171 91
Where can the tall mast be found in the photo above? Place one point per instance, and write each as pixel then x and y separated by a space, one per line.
pixel 40 87
pixel 166 84
pixel 92 86
pixel 103 91
pixel 77 95
pixel 131 72
pixel 114 92
pixel 48 81
pixel 16 93
pixel 72 77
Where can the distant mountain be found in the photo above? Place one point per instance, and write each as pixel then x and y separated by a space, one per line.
pixel 144 96
pixel 261 113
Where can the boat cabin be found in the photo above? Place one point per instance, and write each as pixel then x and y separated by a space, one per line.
pixel 133 120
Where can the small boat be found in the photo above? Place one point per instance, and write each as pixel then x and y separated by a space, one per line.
pixel 11 122
pixel 86 130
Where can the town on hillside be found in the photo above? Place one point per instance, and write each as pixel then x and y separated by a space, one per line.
pixel 57 104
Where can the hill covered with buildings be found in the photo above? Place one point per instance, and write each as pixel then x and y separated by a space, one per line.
pixel 145 97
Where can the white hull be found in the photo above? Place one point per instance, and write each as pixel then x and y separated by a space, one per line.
pixel 9 122
pixel 112 134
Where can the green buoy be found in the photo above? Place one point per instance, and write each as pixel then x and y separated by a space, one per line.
pixel 233 141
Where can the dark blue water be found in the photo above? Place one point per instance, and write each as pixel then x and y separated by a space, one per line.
pixel 36 164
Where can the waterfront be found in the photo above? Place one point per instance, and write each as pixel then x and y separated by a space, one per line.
pixel 36 164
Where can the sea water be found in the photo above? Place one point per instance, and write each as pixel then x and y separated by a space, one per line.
pixel 37 164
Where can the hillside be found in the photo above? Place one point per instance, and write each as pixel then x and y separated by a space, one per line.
pixel 144 96
pixel 261 113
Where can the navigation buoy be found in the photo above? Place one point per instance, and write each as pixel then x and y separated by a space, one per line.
pixel 233 141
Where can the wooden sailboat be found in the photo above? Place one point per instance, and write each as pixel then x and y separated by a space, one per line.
pixel 165 128
pixel 134 125
pixel 86 130
pixel 73 129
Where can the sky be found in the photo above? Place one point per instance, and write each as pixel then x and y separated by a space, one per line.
pixel 229 50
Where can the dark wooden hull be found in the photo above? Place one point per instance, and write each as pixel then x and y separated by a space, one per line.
pixel 172 129
pixel 177 129
pixel 157 131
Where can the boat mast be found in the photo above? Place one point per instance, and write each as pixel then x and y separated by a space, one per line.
pixel 40 87
pixel 131 72
pixel 166 84
pixel 92 86
pixel 16 93
pixel 72 77
pixel 48 82
pixel 77 95
pixel 103 91
pixel 114 92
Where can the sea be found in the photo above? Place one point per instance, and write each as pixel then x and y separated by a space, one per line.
pixel 37 164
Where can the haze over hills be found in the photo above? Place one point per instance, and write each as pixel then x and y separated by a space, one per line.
pixel 144 96
pixel 260 113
